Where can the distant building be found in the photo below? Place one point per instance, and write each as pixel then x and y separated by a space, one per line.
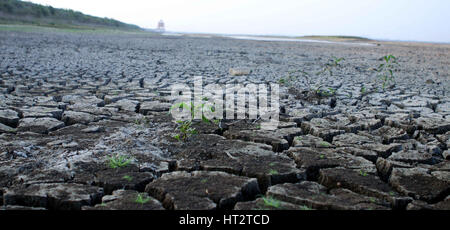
pixel 161 27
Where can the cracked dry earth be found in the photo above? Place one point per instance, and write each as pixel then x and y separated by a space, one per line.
pixel 69 101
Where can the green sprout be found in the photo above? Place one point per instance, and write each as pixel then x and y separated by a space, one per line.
pixel 142 121
pixel 141 200
pixel 332 64
pixel 322 156
pixel 128 178
pixel 328 68
pixel 363 90
pixel 119 161
pixel 386 70
pixel 305 208
pixel 271 202
pixel 273 172
pixel 362 173
pixel 185 127
pixel 324 144
pixel 186 130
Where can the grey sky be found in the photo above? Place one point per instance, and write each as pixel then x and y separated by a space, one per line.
pixel 415 20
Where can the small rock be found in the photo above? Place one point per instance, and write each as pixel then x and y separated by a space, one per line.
pixel 6 129
pixel 202 190
pixel 9 117
pixel 154 106
pixel 54 196
pixel 365 184
pixel 112 180
pixel 412 156
pixel 39 125
pixel 239 72
pixel 417 183
pixel 127 200
pixel 94 129
pixel 313 195
pixel 72 117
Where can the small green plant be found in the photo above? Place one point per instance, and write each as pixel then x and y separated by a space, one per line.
pixel 331 65
pixel 142 121
pixel 128 178
pixel 271 202
pixel 204 181
pixel 185 127
pixel 362 173
pixel 363 90
pixel 324 144
pixel 305 208
pixel 186 130
pixel 141 200
pixel 386 70
pixel 325 92
pixel 328 68
pixel 119 161
pixel 273 172
pixel 322 156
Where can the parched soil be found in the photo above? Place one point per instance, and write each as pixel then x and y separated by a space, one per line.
pixel 70 103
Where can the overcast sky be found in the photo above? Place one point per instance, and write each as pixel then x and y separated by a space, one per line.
pixel 414 20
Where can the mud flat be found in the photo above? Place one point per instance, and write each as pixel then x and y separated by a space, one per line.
pixel 70 102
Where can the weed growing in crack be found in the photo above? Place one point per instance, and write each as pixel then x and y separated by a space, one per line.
pixel 363 90
pixel 273 172
pixel 128 178
pixel 362 173
pixel 186 130
pixel 271 202
pixel 386 70
pixel 185 127
pixel 119 161
pixel 141 200
pixel 324 144
pixel 331 65
pixel 305 208
pixel 142 121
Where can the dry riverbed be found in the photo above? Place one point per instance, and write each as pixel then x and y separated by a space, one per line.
pixel 71 102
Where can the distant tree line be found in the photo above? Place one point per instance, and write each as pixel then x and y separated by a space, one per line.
pixel 12 10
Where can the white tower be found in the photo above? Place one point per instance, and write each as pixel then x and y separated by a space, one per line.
pixel 161 26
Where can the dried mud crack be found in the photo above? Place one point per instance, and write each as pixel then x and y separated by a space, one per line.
pixel 85 125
